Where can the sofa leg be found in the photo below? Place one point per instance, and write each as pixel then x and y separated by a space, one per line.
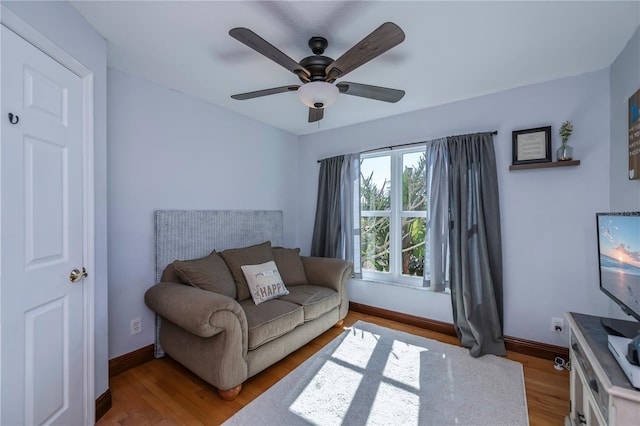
pixel 231 394
pixel 339 324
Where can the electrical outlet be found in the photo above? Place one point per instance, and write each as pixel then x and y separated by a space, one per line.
pixel 136 326
pixel 557 325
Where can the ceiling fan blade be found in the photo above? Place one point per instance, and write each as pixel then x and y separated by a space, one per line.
pixel 379 41
pixel 315 114
pixel 265 92
pixel 372 92
pixel 260 45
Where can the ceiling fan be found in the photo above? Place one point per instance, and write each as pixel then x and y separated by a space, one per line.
pixel 318 72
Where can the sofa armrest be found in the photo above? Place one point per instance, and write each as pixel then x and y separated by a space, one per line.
pixel 203 313
pixel 327 272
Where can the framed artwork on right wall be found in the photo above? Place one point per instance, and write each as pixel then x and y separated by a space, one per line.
pixel 634 136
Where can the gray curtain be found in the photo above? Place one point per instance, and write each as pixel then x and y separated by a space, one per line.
pixel 327 227
pixel 351 212
pixel 333 231
pixel 437 215
pixel 475 244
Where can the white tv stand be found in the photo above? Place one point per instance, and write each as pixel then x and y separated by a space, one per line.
pixel 618 346
pixel 601 394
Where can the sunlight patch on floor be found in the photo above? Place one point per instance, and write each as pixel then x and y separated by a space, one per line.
pixel 401 355
pixel 392 403
pixel 360 358
pixel 337 393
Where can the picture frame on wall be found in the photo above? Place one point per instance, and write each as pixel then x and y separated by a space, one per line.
pixel 531 145
pixel 634 136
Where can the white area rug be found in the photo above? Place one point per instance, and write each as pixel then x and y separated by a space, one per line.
pixel 376 376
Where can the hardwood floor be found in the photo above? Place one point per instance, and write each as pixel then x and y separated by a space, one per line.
pixel 162 392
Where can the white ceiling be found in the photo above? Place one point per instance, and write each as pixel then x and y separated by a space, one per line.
pixel 453 50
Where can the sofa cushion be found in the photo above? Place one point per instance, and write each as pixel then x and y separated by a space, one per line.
pixel 270 320
pixel 264 281
pixel 316 301
pixel 253 255
pixel 208 273
pixel 290 266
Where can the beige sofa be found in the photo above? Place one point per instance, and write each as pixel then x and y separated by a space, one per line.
pixel 221 335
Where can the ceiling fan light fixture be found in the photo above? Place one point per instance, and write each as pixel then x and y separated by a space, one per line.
pixel 318 93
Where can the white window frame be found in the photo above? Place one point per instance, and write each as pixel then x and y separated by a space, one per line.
pixel 395 215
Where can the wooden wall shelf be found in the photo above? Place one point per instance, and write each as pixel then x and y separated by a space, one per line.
pixel 544 165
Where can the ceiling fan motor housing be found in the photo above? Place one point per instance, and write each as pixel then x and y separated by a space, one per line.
pixel 316 65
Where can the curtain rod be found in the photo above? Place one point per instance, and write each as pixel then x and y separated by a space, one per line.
pixel 391 147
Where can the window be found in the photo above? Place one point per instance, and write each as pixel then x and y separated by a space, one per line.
pixel 393 215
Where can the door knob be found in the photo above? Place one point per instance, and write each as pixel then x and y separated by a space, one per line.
pixel 76 275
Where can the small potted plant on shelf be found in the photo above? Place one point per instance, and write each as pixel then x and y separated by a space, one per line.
pixel 565 152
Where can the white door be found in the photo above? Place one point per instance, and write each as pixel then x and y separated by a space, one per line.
pixel 42 336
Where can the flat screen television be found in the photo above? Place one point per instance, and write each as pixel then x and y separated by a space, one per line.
pixel 619 254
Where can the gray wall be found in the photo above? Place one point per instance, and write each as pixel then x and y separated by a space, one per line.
pixel 548 231
pixel 61 24
pixel 170 151
pixel 624 194
pixel 624 81
pixel 547 215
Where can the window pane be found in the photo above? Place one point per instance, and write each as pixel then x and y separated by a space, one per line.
pixel 414 190
pixel 414 230
pixel 375 243
pixel 375 183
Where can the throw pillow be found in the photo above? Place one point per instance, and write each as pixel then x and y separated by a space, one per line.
pixel 208 273
pixel 169 275
pixel 264 281
pixel 253 255
pixel 290 266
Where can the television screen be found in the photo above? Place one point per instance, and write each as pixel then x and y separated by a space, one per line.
pixel 619 250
